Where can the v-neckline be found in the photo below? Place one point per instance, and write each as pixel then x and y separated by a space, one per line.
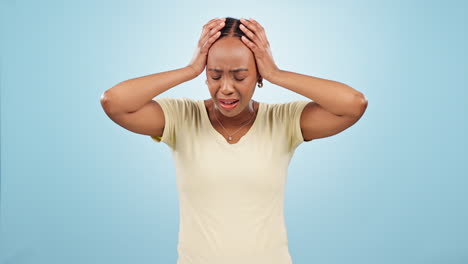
pixel 220 137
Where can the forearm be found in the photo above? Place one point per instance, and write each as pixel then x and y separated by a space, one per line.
pixel 130 95
pixel 337 98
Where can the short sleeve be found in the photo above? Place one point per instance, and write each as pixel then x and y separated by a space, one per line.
pixel 290 113
pixel 173 109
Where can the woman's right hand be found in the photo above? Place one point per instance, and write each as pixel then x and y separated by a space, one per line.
pixel 211 32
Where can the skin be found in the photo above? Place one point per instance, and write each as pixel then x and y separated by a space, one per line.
pixel 230 53
pixel 334 106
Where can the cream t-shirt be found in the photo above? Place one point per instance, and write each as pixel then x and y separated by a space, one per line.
pixel 231 196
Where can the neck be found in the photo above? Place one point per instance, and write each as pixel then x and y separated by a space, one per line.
pixel 248 114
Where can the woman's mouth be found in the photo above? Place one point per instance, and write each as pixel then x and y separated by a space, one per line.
pixel 227 105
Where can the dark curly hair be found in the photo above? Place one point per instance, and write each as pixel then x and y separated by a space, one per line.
pixel 231 28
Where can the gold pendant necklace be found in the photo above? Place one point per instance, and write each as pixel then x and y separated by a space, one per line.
pixel 230 136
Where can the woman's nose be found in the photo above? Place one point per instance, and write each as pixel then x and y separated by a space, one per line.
pixel 226 85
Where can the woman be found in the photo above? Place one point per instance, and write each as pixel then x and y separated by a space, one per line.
pixel 231 152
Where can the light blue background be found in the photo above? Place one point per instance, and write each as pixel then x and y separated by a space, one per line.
pixel 78 188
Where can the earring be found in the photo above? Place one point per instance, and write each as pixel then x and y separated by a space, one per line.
pixel 206 82
pixel 260 85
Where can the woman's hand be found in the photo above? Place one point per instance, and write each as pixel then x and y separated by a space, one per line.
pixel 211 32
pixel 258 43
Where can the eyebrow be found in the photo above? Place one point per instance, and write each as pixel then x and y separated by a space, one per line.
pixel 235 70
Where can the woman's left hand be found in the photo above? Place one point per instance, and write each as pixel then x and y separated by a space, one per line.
pixel 258 43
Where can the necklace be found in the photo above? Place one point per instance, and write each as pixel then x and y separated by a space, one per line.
pixel 230 136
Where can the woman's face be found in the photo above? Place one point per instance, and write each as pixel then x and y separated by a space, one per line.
pixel 231 73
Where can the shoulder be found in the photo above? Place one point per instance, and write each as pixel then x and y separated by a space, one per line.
pixel 286 110
pixel 182 108
pixel 177 103
pixel 175 99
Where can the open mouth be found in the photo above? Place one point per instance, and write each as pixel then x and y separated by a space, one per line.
pixel 229 105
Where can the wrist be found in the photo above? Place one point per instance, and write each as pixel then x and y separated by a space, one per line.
pixel 275 76
pixel 191 72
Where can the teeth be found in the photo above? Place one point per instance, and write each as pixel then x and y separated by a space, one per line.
pixel 230 103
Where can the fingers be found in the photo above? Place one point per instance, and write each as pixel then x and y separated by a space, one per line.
pixel 254 31
pixel 208 26
pixel 210 29
pixel 261 31
pixel 206 45
pixel 212 20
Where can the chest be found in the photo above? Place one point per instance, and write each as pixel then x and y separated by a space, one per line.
pixel 231 135
pixel 208 165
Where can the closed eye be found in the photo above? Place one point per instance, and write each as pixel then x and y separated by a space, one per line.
pixel 220 78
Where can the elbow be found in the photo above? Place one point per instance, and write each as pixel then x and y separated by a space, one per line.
pixel 107 102
pixel 360 104
pixel 357 105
